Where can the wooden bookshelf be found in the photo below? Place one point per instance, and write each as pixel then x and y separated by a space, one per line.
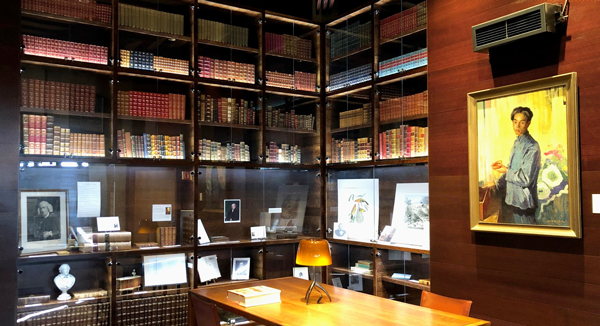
pixel 379 245
pixel 345 129
pixel 349 271
pixel 350 53
pixel 63 19
pixel 407 283
pixel 170 37
pixel 131 72
pixel 158 120
pixel 63 63
pixel 228 46
pixel 291 92
pixel 66 113
pixel 401 35
pixel 228 125
pixel 287 56
pixel 407 74
pixel 404 119
pixel 293 131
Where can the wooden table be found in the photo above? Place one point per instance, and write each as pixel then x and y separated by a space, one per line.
pixel 347 308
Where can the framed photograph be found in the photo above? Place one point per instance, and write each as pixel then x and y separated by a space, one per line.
pixel 258 232
pixel 241 269
pixel 232 210
pixel 387 233
pixel 44 220
pixel 292 201
pixel 301 272
pixel 356 282
pixel 337 282
pixel 339 232
pixel 358 207
pixel 411 215
pixel 524 158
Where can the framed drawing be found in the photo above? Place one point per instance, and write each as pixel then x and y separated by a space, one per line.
pixel 292 201
pixel 411 215
pixel 44 220
pixel 358 207
pixel 524 158
pixel 241 269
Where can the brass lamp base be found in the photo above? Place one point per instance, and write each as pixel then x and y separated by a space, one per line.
pixel 318 286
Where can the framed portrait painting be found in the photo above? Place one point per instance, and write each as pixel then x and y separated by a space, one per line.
pixel 524 158
pixel 43 219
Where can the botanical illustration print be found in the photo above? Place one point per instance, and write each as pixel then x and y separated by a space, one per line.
pixel 417 211
pixel 359 207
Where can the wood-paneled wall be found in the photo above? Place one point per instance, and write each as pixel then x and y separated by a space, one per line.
pixel 512 279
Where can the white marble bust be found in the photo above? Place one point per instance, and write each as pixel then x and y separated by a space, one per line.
pixel 64 281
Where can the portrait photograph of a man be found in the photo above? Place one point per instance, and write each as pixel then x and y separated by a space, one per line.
pixel 231 210
pixel 43 220
pixel 523 155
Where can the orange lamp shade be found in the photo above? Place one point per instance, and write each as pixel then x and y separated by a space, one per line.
pixel 313 252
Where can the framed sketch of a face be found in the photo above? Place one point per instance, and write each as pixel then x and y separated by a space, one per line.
pixel 44 217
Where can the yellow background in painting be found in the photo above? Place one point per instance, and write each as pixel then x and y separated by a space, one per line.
pixel 496 135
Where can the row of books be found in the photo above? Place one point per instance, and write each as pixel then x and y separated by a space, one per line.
pixel 356 117
pixel 286 154
pixel 349 38
pixel 86 235
pixel 166 236
pixel 150 19
pixel 153 105
pixel 51 48
pixel 148 61
pixel 288 45
pixel 170 310
pixel 45 94
pixel 226 70
pixel 405 106
pixel 280 119
pixel 226 110
pixel 405 141
pixel 350 77
pixel 42 137
pixel 211 150
pixel 403 22
pixel 223 33
pixel 104 246
pixel 97 314
pixel 88 10
pixel 150 146
pixel 304 81
pixel 350 150
pixel 404 62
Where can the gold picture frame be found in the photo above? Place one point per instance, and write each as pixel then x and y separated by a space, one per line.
pixel 525 179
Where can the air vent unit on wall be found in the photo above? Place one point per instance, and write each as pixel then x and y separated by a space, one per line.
pixel 524 23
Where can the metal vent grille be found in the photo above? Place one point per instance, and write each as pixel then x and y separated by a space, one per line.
pixel 491 33
pixel 525 23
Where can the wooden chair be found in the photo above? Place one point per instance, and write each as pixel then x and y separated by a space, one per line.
pixel 205 313
pixel 447 304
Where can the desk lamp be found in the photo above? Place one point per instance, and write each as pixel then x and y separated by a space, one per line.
pixel 314 252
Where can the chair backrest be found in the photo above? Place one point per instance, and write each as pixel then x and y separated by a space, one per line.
pixel 440 302
pixel 205 313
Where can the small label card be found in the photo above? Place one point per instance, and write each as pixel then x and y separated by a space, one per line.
pixel 106 224
pixel 258 232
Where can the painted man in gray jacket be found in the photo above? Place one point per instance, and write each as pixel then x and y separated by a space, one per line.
pixel 519 178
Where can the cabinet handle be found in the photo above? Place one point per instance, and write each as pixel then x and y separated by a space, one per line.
pixel 118 263
pixel 119 150
pixel 109 263
pixel 191 257
pixel 260 251
pixel 319 175
pixel 110 150
pixel 378 254
pixel 20 248
pixel 19 271
pixel 192 238
pixel 329 230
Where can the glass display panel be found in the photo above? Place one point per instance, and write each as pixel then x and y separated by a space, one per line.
pixel 403 275
pixel 352 268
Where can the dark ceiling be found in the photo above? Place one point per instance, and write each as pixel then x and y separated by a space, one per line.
pixel 301 8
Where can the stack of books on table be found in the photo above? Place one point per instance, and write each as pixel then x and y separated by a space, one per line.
pixel 254 296
pixel 363 267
